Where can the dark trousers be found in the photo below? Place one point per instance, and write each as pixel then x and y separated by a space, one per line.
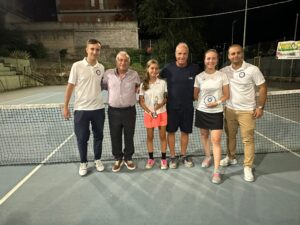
pixel 122 120
pixel 82 120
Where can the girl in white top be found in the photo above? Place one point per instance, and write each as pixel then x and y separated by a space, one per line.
pixel 153 98
pixel 211 89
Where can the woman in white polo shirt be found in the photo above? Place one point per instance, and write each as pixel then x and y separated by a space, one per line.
pixel 153 93
pixel 211 89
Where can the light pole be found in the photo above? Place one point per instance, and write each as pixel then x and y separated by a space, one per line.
pixel 245 23
pixel 223 58
pixel 295 36
pixel 232 30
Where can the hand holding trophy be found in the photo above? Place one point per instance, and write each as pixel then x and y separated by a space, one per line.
pixel 154 114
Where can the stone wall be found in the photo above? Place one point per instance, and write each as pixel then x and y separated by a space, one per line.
pixel 73 36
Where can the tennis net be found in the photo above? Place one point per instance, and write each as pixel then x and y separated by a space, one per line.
pixel 34 134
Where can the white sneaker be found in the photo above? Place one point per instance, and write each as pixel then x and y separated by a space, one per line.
pixel 83 169
pixel 173 163
pixel 227 161
pixel 164 164
pixel 206 162
pixel 248 175
pixel 99 166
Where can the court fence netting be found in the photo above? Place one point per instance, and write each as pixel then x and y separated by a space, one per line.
pixel 38 133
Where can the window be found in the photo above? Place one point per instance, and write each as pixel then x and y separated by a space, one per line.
pixel 101 4
pixel 92 3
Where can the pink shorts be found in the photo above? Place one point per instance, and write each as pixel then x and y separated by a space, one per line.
pixel 160 121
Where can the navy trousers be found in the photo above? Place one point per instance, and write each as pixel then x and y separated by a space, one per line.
pixel 122 120
pixel 82 121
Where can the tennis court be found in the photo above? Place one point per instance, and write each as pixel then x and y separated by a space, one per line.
pixel 39 141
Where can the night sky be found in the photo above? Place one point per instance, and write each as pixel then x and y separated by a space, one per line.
pixel 266 24
pixel 40 10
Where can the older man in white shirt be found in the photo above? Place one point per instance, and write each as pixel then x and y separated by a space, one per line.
pixel 122 84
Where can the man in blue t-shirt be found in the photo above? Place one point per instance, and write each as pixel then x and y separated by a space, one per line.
pixel 180 77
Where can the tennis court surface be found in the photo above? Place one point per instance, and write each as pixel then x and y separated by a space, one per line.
pixel 40 182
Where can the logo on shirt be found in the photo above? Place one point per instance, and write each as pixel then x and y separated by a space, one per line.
pixel 242 74
pixel 209 99
pixel 98 72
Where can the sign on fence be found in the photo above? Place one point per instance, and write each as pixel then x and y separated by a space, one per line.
pixel 288 50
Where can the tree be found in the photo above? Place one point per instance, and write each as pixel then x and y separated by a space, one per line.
pixel 10 39
pixel 152 16
pixel 14 40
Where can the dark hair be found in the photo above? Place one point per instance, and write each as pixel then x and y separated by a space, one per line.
pixel 234 46
pixel 147 77
pixel 93 41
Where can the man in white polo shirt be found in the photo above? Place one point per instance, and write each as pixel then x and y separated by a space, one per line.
pixel 241 108
pixel 85 77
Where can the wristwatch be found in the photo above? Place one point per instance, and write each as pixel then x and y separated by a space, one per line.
pixel 261 107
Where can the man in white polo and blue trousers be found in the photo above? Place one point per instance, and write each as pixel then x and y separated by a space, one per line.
pixel 85 77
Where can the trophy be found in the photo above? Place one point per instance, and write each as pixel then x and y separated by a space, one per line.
pixel 154 114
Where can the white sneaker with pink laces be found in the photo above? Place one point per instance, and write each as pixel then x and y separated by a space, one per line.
pixel 163 164
pixel 150 163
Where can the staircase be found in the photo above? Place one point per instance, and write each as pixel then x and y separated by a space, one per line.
pixel 37 77
pixel 16 73
pixel 6 69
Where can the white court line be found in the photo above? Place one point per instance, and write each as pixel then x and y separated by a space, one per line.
pixel 12 191
pixel 30 96
pixel 276 143
pixel 281 117
pixel 42 98
pixel 13 100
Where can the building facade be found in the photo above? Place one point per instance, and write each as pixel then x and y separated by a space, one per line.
pixel 93 11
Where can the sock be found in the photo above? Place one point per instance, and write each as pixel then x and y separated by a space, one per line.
pixel 163 155
pixel 150 155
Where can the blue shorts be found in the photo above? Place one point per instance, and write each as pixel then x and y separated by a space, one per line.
pixel 182 118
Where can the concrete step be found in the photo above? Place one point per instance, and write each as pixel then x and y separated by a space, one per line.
pixel 7 64
pixel 3 69
pixel 7 73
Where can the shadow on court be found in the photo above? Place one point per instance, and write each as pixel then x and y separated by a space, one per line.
pixel 56 194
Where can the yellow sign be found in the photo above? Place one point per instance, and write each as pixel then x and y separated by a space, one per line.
pixel 288 50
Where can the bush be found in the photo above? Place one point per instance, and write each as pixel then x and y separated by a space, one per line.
pixel 138 68
pixel 20 54
pixel 4 52
pixel 63 53
pixel 135 55
pixel 37 50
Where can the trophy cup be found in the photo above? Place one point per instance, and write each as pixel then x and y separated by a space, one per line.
pixel 154 114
